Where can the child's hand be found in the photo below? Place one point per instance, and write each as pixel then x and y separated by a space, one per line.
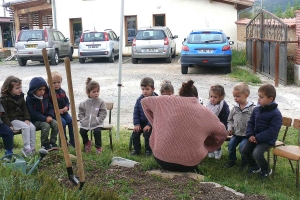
pixel 27 122
pixel 137 128
pixel 229 132
pixel 12 128
pixel 61 111
pixel 252 139
pixel 49 119
pixel 147 128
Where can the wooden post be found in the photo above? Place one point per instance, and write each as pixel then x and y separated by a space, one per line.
pixel 40 20
pixel 17 21
pixel 277 65
pixel 254 62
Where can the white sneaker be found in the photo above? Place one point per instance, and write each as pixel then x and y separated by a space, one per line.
pixel 218 154
pixel 211 154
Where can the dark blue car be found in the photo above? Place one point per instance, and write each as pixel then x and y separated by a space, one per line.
pixel 207 47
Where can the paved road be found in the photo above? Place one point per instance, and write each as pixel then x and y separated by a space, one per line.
pixel 107 75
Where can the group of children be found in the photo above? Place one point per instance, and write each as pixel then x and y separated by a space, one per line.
pixel 254 128
pixel 37 113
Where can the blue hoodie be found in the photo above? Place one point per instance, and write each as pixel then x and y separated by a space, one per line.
pixel 39 109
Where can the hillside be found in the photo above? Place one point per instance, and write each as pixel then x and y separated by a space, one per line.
pixel 272 5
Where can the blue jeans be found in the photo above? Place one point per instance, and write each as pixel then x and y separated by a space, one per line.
pixel 254 154
pixel 233 143
pixel 66 119
pixel 7 136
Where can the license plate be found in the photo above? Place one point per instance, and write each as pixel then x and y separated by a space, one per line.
pixel 93 47
pixel 150 50
pixel 205 51
pixel 31 45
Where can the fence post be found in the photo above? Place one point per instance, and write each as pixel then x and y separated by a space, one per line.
pixel 254 56
pixel 276 65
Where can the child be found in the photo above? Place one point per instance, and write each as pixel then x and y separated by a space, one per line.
pixel 262 131
pixel 6 133
pixel 140 121
pixel 92 113
pixel 63 104
pixel 219 107
pixel 41 112
pixel 17 117
pixel 166 88
pixel 237 122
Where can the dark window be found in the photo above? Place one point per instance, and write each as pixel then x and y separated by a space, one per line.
pixel 32 35
pixel 93 36
pixel 130 28
pixel 159 20
pixel 150 35
pixel 75 31
pixel 198 38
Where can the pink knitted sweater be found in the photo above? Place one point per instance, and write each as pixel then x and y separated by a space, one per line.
pixel 183 130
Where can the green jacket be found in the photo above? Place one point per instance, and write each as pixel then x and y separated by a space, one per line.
pixel 15 109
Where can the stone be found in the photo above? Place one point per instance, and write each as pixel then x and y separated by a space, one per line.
pixel 123 162
pixel 170 175
pixel 72 157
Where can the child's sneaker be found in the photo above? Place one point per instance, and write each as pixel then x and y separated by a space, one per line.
pixel 88 146
pixel 211 154
pixel 135 152
pixel 148 153
pixel 265 174
pixel 218 154
pixel 254 170
pixel 26 152
pixel 46 146
pixel 229 164
pixel 99 150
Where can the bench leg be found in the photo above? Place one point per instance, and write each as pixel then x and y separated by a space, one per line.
pixel 110 140
pixel 130 142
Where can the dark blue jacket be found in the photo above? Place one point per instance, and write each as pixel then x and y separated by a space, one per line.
pixel 139 117
pixel 265 123
pixel 223 115
pixel 38 109
pixel 62 99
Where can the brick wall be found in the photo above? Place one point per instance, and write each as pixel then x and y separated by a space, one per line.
pixel 297 49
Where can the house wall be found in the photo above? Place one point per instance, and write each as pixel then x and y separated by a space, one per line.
pixel 182 16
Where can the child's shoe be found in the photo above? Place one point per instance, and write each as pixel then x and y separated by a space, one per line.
pixel 218 154
pixel 88 146
pixel 148 153
pixel 211 154
pixel 26 152
pixel 264 173
pixel 254 170
pixel 99 150
pixel 229 164
pixel 135 152
pixel 46 146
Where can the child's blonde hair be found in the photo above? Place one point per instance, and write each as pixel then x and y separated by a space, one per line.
pixel 166 86
pixel 9 84
pixel 56 74
pixel 242 87
pixel 90 85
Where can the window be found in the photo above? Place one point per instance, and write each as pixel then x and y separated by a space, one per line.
pixel 130 29
pixel 56 37
pixel 75 31
pixel 159 20
pixel 61 36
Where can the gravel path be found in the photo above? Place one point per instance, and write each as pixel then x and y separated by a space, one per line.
pixel 106 74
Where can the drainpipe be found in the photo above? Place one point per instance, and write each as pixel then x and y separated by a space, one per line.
pixel 54 14
pixel 4 10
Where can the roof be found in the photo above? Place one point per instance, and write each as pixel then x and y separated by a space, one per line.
pixel 6 19
pixel 16 2
pixel 240 4
pixel 290 22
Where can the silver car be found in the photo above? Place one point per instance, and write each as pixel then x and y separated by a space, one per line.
pixel 29 45
pixel 153 42
pixel 98 44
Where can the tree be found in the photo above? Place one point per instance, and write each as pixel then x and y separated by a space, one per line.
pixel 279 12
pixel 289 11
pixel 296 5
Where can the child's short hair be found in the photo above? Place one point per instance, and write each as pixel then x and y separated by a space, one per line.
pixel 242 87
pixel 218 89
pixel 147 81
pixel 188 89
pixel 9 84
pixel 90 85
pixel 268 89
pixel 166 86
pixel 56 74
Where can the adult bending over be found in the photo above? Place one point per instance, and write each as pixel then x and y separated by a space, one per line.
pixel 183 130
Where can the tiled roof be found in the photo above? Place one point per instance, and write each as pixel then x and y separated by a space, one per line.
pixel 291 22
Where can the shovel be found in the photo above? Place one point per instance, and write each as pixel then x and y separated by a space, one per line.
pixel 71 176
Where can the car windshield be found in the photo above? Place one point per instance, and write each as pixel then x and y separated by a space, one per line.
pixel 31 35
pixel 206 37
pixel 93 36
pixel 150 34
pixel 131 32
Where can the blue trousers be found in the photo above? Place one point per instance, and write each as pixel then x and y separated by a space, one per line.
pixel 233 143
pixel 7 136
pixel 66 120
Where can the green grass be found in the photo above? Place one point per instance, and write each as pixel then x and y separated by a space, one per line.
pixel 239 71
pixel 281 187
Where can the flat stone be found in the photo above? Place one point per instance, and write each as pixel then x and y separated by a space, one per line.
pixel 72 157
pixel 123 162
pixel 170 175
pixel 226 188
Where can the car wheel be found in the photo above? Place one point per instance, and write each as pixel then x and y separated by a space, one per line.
pixel 54 60
pixel 22 62
pixel 111 59
pixel 174 53
pixel 71 55
pixel 228 69
pixel 184 69
pixel 134 60
pixel 169 59
pixel 81 60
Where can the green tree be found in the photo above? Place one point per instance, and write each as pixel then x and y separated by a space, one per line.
pixel 289 11
pixel 296 5
pixel 279 12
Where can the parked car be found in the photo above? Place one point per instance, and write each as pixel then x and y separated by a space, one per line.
pixel 98 44
pixel 29 45
pixel 154 42
pixel 207 47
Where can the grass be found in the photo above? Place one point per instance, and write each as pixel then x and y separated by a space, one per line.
pixel 281 187
pixel 241 73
